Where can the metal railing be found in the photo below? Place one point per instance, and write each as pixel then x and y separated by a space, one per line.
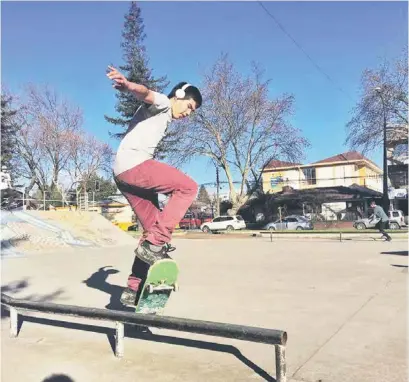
pixel 332 234
pixel 278 338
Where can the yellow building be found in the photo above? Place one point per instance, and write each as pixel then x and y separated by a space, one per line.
pixel 117 209
pixel 340 170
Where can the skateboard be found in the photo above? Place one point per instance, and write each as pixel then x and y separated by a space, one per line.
pixel 160 282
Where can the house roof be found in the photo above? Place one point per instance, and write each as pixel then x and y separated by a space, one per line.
pixel 278 164
pixel 345 157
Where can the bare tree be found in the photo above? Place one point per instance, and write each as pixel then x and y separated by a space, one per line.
pixel 52 142
pixel 49 123
pixel 383 91
pixel 88 156
pixel 239 128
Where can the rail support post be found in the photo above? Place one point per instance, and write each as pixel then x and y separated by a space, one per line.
pixel 281 370
pixel 119 339
pixel 13 322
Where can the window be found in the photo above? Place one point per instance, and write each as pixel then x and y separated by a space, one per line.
pixel 227 218
pixel 291 220
pixel 239 217
pixel 216 220
pixel 395 214
pixel 310 176
pixel 398 175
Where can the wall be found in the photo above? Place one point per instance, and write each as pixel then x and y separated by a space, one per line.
pixel 338 175
pixel 280 178
pixel 326 176
pixel 373 180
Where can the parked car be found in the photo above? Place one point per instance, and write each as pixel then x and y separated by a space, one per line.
pixel 189 221
pixel 396 221
pixel 292 222
pixel 228 223
pixel 193 221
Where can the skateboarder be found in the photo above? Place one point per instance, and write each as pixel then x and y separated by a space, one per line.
pixel 141 178
pixel 383 222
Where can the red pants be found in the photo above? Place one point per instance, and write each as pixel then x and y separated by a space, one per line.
pixel 141 186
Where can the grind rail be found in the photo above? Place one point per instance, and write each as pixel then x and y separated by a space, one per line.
pixel 278 338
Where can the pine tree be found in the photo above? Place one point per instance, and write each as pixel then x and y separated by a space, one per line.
pixel 203 195
pixel 102 187
pixel 9 129
pixel 136 68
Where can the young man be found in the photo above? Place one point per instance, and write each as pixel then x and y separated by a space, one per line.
pixel 141 179
pixel 383 222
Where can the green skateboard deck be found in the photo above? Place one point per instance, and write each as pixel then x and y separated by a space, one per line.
pixel 160 281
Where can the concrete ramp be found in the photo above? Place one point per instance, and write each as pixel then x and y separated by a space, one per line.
pixel 23 232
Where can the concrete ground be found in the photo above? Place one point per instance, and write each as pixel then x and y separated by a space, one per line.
pixel 343 306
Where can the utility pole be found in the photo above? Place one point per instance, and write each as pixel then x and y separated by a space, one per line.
pixel 385 199
pixel 217 191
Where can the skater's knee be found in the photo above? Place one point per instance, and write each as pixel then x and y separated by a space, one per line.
pixel 191 187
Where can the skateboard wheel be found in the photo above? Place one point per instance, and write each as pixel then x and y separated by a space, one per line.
pixel 150 288
pixel 176 287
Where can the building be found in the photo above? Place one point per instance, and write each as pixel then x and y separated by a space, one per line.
pixel 398 160
pixel 117 209
pixel 340 170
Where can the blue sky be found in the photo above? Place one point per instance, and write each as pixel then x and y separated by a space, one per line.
pixel 68 45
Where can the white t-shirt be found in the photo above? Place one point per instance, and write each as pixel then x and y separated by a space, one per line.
pixel 146 129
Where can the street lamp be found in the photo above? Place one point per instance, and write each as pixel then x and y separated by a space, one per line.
pixel 385 199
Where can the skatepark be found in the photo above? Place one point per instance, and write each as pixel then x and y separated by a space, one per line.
pixel 342 304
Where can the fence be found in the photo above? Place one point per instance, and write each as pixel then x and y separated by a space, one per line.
pixel 83 203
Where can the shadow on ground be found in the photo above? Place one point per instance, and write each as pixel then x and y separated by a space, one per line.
pixel 395 253
pixel 404 268
pixel 15 287
pixel 143 333
pixel 98 281
pixel 4 244
pixel 58 378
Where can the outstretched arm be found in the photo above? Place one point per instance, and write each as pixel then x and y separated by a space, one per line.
pixel 141 92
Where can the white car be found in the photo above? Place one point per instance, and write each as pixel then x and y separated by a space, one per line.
pixel 292 222
pixel 228 223
pixel 396 221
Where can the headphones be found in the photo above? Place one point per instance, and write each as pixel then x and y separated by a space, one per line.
pixel 180 93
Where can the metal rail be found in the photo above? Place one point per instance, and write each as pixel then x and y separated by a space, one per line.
pixel 278 338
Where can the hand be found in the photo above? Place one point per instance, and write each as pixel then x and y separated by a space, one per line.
pixel 120 82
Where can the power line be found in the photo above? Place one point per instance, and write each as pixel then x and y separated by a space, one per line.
pixel 376 176
pixel 303 50
pixel 305 180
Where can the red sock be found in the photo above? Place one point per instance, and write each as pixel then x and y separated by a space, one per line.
pixel 133 282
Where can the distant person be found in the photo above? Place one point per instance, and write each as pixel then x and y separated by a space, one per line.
pixel 383 222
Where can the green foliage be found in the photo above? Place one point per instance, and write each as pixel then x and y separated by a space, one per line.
pixel 135 68
pixel 9 130
pixel 203 195
pixel 101 186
